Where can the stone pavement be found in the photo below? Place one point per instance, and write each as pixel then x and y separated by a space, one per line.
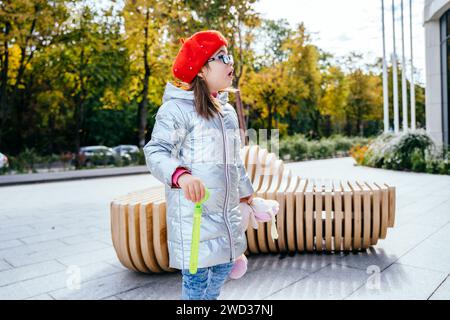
pixel 54 233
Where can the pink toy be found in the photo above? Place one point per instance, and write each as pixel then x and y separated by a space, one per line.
pixel 259 210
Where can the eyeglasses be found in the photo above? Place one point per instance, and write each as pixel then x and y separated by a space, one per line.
pixel 225 58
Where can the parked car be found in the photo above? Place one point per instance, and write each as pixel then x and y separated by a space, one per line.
pixel 128 149
pixel 3 161
pixel 96 155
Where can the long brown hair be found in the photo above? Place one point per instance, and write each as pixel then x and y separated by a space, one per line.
pixel 205 104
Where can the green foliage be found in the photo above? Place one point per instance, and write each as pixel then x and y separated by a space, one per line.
pixel 298 147
pixel 25 161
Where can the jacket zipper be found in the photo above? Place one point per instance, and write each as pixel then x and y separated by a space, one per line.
pixel 226 188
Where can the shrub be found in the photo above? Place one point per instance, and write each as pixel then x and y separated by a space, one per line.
pixel 418 161
pixel 411 150
pixel 25 161
pixel 298 147
pixel 294 148
pixel 321 149
pixel 141 157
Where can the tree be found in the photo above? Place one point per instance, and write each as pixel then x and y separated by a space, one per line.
pixel 364 102
pixel 146 31
pixel 333 99
pixel 266 92
pixel 304 79
pixel 29 26
pixel 88 64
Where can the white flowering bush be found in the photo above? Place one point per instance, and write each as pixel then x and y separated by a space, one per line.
pixel 410 150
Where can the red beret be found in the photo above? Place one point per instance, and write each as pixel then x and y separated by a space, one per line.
pixel 194 53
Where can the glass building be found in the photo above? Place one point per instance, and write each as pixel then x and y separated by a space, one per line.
pixel 437 55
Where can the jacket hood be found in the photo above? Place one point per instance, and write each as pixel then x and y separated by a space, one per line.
pixel 173 92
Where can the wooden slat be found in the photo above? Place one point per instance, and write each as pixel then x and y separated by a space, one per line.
pixel 367 214
pixel 256 157
pixel 300 210
pixel 252 161
pixel 318 194
pixel 290 213
pixel 348 216
pixel 281 242
pixel 338 215
pixel 134 239
pixel 278 181
pixel 268 167
pixel 391 192
pixel 309 215
pixel 328 218
pixel 160 235
pixel 376 212
pixel 115 232
pixel 123 238
pixel 384 210
pixel 146 236
pixel 357 215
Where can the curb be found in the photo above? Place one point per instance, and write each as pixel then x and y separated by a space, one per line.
pixel 20 179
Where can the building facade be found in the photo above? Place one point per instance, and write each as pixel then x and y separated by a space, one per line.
pixel 437 64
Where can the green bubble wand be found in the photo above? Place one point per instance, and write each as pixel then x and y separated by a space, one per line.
pixel 193 263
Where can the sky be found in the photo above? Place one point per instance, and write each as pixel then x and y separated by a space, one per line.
pixel 343 26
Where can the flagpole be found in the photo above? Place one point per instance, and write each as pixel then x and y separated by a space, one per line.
pixel 404 93
pixel 412 86
pixel 385 76
pixel 394 72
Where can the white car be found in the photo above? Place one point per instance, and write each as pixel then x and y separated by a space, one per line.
pixel 3 161
pixel 127 150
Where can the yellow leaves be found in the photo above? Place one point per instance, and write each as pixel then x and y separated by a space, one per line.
pixel 335 93
pixel 266 92
pixel 14 63
pixel 110 100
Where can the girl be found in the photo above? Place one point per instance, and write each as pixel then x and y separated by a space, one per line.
pixel 195 143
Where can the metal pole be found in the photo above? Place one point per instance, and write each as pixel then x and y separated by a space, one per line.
pixel 412 86
pixel 385 76
pixel 404 93
pixel 394 72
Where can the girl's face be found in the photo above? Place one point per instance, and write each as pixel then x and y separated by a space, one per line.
pixel 219 75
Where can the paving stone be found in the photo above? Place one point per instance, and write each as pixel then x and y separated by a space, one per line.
pixel 29 272
pixel 105 286
pixel 401 282
pixel 443 291
pixel 330 282
pixel 59 252
pixel 430 254
pixel 68 278
pixel 4 265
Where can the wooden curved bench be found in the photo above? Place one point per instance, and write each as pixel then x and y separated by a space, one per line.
pixel 314 215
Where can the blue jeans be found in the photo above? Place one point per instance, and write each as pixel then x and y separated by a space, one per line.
pixel 206 283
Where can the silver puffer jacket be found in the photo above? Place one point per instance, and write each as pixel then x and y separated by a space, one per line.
pixel 210 150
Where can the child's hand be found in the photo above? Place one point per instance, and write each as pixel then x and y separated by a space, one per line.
pixel 193 187
pixel 248 199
